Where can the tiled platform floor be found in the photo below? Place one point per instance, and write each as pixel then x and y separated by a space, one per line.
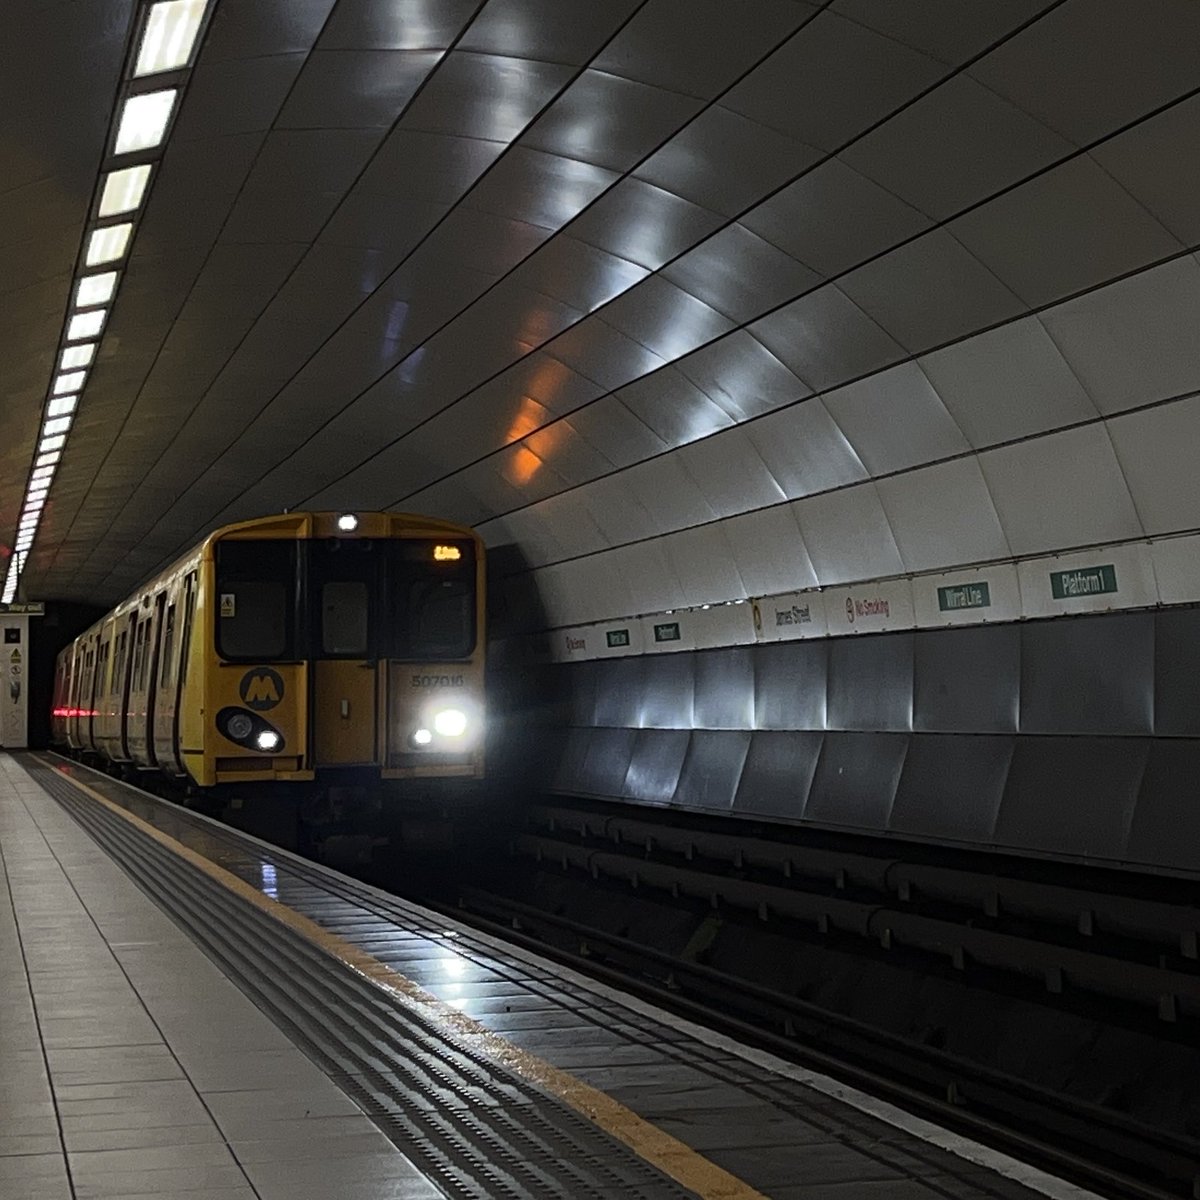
pixel 131 1066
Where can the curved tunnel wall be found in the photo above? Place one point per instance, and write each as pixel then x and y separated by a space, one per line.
pixel 1077 737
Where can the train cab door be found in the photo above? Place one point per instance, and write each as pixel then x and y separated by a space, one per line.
pixel 344 587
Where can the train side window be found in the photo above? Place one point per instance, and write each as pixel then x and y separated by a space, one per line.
pixel 189 609
pixel 168 666
pixel 139 653
pixel 118 675
pixel 256 599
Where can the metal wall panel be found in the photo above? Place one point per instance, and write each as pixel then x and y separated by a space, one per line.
pixel 1072 795
pixel 654 766
pixel 777 774
pixel 725 689
pixel 967 680
pixel 619 683
pixel 1088 675
pixel 607 761
pixel 871 682
pixel 741 730
pixel 789 685
pixel 1166 823
pixel 668 693
pixel 856 779
pixel 951 787
pixel 712 769
pixel 1177 671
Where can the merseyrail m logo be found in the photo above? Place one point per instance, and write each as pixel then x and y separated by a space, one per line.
pixel 261 688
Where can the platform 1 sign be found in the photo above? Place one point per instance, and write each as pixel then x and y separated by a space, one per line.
pixel 1083 581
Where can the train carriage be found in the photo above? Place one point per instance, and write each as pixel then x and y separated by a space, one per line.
pixel 306 652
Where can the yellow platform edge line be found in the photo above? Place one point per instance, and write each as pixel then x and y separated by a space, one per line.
pixel 674 1158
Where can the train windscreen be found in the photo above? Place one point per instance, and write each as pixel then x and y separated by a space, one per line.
pixel 256 600
pixel 432 599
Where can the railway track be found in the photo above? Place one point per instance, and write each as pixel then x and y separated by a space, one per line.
pixel 1107 947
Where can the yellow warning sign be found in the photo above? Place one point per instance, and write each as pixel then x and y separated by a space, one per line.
pixel 228 604
pixel 15 656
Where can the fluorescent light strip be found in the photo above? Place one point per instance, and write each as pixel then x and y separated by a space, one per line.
pixel 144 118
pixel 168 41
pixel 95 289
pixel 170 35
pixel 123 190
pixel 108 243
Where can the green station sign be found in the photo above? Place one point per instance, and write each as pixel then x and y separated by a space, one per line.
pixel 617 638
pixel 1085 581
pixel 667 632
pixel 965 595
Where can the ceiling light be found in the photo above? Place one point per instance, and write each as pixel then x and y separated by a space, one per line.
pixel 61 406
pixel 77 356
pixel 45 464
pixel 69 381
pixel 33 507
pixel 123 190
pixel 41 473
pixel 95 289
pixel 52 443
pixel 86 325
pixel 144 120
pixel 108 244
pixel 56 425
pixel 170 35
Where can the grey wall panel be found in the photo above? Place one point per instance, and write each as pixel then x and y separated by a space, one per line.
pixel 789 685
pixel 1088 675
pixel 951 786
pixel 725 689
pixel 1166 822
pixel 570 764
pixel 1072 795
pixel 654 766
pixel 668 692
pixel 619 690
pixel 856 779
pixel 607 761
pixel 967 680
pixel 1177 671
pixel 871 682
pixel 581 690
pixel 1032 736
pixel 712 769
pixel 778 773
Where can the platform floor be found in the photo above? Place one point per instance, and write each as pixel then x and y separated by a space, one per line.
pixel 132 1067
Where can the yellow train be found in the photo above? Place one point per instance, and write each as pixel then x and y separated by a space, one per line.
pixel 315 654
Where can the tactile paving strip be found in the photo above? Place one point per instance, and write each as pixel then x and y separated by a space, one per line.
pixel 476 1130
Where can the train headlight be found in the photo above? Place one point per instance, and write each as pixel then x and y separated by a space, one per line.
pixel 422 737
pixel 239 727
pixel 267 739
pixel 450 722
pixel 347 522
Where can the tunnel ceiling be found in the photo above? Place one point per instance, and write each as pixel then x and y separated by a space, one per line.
pixel 686 299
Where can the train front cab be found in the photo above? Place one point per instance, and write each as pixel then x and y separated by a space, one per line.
pixel 346 651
